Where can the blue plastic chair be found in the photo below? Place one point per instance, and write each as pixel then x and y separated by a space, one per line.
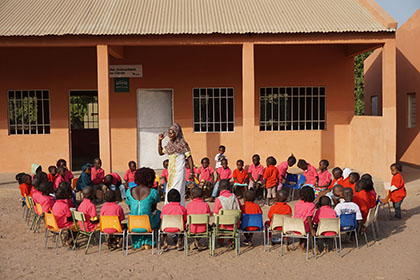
pixel 299 184
pixel 348 223
pixel 252 220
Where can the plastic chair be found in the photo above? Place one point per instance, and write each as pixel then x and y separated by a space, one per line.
pixel 299 185
pixel 139 225
pixel 295 228
pixel 328 225
pixel 74 183
pixel 276 225
pixel 370 221
pixel 170 221
pixel 235 212
pixel 113 226
pixel 25 208
pixel 80 217
pixel 30 208
pixel 51 226
pixel 222 233
pixel 253 220
pixel 38 215
pixel 348 224
pixel 375 218
pixel 198 219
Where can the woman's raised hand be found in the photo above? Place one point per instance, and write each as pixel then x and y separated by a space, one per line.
pixel 162 136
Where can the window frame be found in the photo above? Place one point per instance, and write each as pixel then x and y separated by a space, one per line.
pixel 298 121
pixel 44 125
pixel 411 124
pixel 214 122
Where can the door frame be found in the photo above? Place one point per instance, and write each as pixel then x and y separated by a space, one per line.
pixel 69 123
pixel 137 118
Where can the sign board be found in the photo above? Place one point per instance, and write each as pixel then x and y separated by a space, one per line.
pixel 125 71
pixel 121 84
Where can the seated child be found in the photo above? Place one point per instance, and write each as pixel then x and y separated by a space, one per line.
pixel 45 199
pixel 255 175
pixel 205 174
pixel 52 173
pixel 271 178
pixel 351 180
pixel 337 177
pixel 71 197
pixel 324 177
pixel 324 212
pixel 89 209
pixel 397 189
pixel 67 174
pixel 335 195
pixel 189 177
pixel 85 178
pixel 362 193
pixel 61 171
pixel 368 178
pixel 349 207
pixel 110 208
pixel 222 173
pixel 198 206
pixel 280 207
pixel 220 156
pixel 25 185
pixel 282 167
pixel 250 207
pixel 97 176
pixel 62 214
pixel 174 207
pixel 164 176
pixel 240 178
pixel 118 188
pixel 310 173
pixel 305 209
pixel 35 193
pixel 226 199
pixel 130 173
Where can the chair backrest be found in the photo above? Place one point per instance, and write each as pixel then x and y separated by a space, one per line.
pixel 227 220
pixel 277 221
pixel 74 183
pixel 234 212
pixel 38 208
pixel 110 223
pixel 29 201
pixel 292 178
pixel 50 222
pixel 79 217
pixel 328 225
pixel 302 180
pixel 370 217
pixel 172 221
pixel 252 220
pixel 348 221
pixel 139 222
pixel 293 225
pixel 198 219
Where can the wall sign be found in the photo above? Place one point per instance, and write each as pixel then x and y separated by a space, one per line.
pixel 121 84
pixel 125 71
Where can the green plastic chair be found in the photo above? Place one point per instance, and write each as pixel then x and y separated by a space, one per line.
pixel 221 233
pixel 80 217
pixel 236 212
pixel 198 219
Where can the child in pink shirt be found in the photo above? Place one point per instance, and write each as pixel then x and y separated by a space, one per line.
pixel 282 168
pixel 130 173
pixel 62 214
pixel 174 207
pixel 324 212
pixel 97 175
pixel 67 174
pixel 305 209
pixel 324 177
pixel 89 209
pixel 164 176
pixel 60 177
pixel 110 208
pixel 255 175
pixel 198 206
pixel 47 202
pixel 189 178
pixel 205 174
pixel 222 173
pixel 310 173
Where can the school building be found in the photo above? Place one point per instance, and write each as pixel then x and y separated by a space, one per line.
pixel 408 85
pixel 83 78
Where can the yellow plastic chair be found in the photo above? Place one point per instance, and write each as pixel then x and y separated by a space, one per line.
pixel 37 217
pixel 74 183
pixel 276 226
pixel 113 223
pixel 170 221
pixel 51 226
pixel 294 228
pixel 30 208
pixel 80 217
pixel 197 219
pixel 328 225
pixel 370 221
pixel 139 225
pixel 222 233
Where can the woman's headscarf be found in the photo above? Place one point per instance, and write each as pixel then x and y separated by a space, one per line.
pixel 84 179
pixel 178 146
pixel 34 167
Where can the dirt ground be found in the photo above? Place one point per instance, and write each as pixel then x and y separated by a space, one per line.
pixel 395 256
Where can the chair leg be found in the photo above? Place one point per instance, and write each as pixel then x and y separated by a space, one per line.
pixel 46 238
pixel 185 244
pixel 153 242
pixel 335 244
pixel 126 244
pixel 377 227
pixel 264 239
pixel 367 244
pixel 123 242
pixel 315 246
pixel 88 243
pixel 339 240
pixel 357 239
pixel 373 232
pixel 281 245
pixel 158 248
pixel 58 241
pixel 100 242
pixel 75 241
pixel 308 240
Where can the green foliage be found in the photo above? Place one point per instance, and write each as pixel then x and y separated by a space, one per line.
pixel 79 109
pixel 359 83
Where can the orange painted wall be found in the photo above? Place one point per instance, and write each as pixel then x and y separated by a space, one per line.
pixel 408 80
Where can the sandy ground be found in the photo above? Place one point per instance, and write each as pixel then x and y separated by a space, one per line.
pixel 395 256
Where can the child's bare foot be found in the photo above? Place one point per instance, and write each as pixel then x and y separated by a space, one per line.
pixel 179 246
pixel 147 247
pixel 165 246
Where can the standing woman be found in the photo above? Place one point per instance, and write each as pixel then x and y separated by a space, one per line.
pixel 177 150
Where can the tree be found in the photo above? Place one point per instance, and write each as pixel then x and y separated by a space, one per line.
pixel 359 83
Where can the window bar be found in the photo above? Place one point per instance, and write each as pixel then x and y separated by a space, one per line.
pixel 214 114
pixel 319 108
pixel 14 110
pixel 199 109
pixel 278 109
pixel 220 109
pixel 306 119
pixel 23 113
pixel 312 109
pixel 227 114
pixel 285 110
pixel 291 115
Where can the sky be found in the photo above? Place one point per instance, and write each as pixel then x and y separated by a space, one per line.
pixel 400 10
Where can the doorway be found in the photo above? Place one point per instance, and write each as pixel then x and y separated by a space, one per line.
pixel 154 115
pixel 84 127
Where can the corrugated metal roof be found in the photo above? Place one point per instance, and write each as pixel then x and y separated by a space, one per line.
pixel 142 17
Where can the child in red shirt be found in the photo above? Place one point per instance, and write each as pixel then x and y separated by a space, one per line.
pixel 250 207
pixel 280 207
pixel 240 178
pixel 351 181
pixel 174 207
pixel 362 193
pixel 25 186
pixel 271 175
pixel 397 189
pixel 52 173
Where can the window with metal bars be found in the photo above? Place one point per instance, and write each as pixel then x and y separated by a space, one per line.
pixel 292 108
pixel 213 109
pixel 29 112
